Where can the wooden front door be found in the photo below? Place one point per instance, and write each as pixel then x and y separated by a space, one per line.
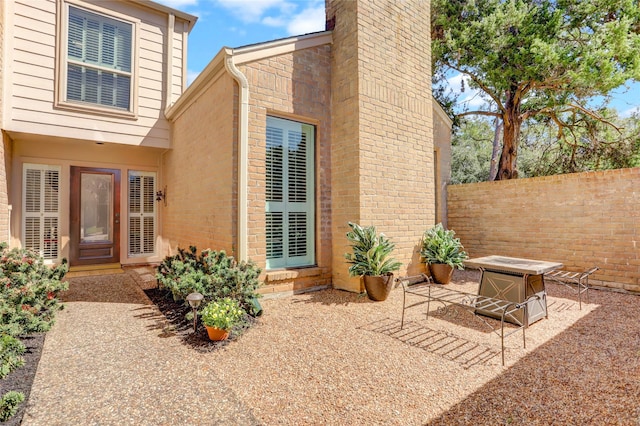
pixel 95 216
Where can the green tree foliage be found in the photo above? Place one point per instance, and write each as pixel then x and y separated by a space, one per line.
pixel 599 148
pixel 542 59
pixel 542 154
pixel 471 151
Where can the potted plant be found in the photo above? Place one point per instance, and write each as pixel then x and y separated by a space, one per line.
pixel 443 252
pixel 219 316
pixel 370 258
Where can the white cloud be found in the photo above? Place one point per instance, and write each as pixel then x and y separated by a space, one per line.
pixel 470 98
pixel 253 10
pixel 629 112
pixel 309 20
pixel 274 21
pixel 285 14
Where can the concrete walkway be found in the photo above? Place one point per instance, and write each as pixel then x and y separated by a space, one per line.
pixel 103 363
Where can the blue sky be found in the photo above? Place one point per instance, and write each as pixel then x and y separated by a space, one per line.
pixel 235 23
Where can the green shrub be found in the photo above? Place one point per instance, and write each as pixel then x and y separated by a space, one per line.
pixel 10 350
pixel 28 303
pixel 211 273
pixel 9 404
pixel 28 291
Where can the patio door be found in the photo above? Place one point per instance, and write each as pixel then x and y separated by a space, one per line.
pixel 95 216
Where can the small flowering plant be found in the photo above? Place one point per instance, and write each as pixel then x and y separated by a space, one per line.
pixel 222 313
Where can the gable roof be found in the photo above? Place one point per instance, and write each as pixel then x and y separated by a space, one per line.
pixel 168 10
pixel 243 55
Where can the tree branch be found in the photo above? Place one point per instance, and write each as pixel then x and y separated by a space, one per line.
pixel 573 107
pixel 487 113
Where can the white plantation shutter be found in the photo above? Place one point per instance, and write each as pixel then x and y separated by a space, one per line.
pixel 41 209
pixel 142 213
pixel 289 211
pixel 99 58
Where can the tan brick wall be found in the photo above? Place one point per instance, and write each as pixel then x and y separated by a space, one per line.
pixel 581 220
pixel 442 160
pixel 382 151
pixel 297 86
pixel 200 172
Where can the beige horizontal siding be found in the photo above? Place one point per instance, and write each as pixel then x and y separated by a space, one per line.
pixel 54 118
pixel 32 51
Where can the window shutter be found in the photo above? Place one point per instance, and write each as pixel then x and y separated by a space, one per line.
pixel 289 193
pixel 142 213
pixel 99 54
pixel 41 209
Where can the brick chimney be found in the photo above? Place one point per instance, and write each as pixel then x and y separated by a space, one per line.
pixel 382 154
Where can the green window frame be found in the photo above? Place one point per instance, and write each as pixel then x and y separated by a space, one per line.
pixel 290 194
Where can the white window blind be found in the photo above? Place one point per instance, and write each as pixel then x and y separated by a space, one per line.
pixel 289 216
pixel 99 58
pixel 142 213
pixel 41 209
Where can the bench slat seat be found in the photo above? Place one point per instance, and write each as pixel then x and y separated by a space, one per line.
pixel 423 287
pixel 570 278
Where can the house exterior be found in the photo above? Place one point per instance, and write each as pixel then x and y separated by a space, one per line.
pixel 268 154
pixel 85 85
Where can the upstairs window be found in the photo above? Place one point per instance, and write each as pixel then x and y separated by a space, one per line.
pixel 98 61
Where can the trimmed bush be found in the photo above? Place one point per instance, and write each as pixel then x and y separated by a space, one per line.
pixel 28 304
pixel 9 404
pixel 211 273
pixel 28 291
pixel 10 350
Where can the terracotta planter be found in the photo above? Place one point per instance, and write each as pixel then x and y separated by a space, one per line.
pixel 378 286
pixel 441 272
pixel 216 333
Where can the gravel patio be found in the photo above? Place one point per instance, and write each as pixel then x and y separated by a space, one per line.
pixel 336 358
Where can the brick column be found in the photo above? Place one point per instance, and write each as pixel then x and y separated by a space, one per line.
pixel 382 131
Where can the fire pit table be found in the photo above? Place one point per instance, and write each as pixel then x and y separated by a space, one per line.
pixel 515 280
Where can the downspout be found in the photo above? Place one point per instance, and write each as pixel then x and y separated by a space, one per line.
pixel 243 150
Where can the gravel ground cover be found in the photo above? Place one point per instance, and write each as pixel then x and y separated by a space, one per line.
pixel 333 357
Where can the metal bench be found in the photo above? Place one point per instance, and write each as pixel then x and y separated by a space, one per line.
pixel 568 278
pixel 422 286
